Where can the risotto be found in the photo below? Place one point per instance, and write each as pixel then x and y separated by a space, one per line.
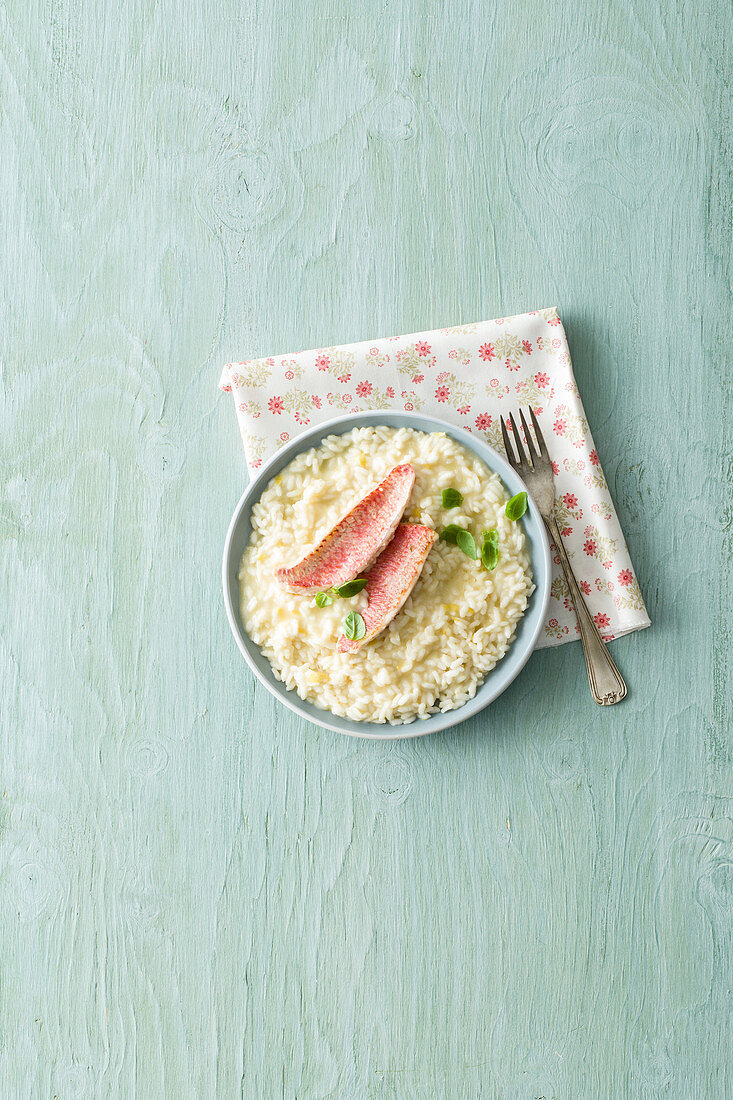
pixel 459 619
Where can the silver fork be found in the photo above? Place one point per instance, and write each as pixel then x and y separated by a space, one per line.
pixel 606 682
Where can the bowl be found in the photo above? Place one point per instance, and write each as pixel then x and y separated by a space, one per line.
pixel 528 627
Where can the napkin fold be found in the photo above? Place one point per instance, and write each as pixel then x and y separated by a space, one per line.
pixel 472 376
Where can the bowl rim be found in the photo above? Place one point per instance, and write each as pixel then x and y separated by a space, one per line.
pixel 341 425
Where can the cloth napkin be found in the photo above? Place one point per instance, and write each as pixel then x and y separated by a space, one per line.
pixel 472 376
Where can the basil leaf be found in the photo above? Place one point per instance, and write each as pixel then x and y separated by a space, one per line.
pixel 351 587
pixel 489 557
pixel 489 549
pixel 466 542
pixel 451 532
pixel 460 537
pixel 516 507
pixel 323 599
pixel 451 498
pixel 354 626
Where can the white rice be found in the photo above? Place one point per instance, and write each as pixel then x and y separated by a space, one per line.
pixel 459 619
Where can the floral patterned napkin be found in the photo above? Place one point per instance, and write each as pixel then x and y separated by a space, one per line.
pixel 470 375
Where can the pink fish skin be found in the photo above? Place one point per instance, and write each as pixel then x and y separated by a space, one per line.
pixel 391 579
pixel 356 540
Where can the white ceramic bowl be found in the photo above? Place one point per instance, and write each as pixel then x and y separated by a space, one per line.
pixel 528 627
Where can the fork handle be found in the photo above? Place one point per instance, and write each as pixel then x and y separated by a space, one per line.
pixel 606 682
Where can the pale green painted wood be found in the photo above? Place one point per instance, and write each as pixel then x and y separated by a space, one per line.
pixel 201 896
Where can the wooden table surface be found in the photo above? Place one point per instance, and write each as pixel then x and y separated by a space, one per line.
pixel 201 895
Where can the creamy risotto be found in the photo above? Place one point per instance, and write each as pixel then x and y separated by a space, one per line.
pixel 459 619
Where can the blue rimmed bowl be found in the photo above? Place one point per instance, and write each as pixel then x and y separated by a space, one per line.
pixel 528 627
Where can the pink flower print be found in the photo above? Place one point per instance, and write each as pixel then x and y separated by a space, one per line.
pixel 442 393
pixel 494 383
pixel 289 375
pixel 442 377
pixel 595 460
pixel 560 426
pixel 301 418
pixel 227 388
pixel 364 389
pixel 555 467
pixel 566 531
pixel 242 407
pixel 553 623
pixel 422 348
pixel 585 587
pixel 542 379
pixel 409 407
pixel 256 464
pixel 464 410
pixel 316 401
pixel 608 565
pixel 275 405
pixel 590 547
pixel 347 399
pixel 344 378
pixel 601 620
pixel 418 378
pixel 625 578
pixel 322 361
pixel 486 352
pixel 570 500
pixel 556 343
pixel 527 347
pixel 553 320
pixel 374 351
pixel 483 422
pixel 390 391
pixel 452 354
pixel 509 365
pixel 284 437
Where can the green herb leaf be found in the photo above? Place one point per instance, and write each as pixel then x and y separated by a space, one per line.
pixel 323 599
pixel 460 537
pixel 516 507
pixel 351 587
pixel 451 532
pixel 489 549
pixel 354 626
pixel 466 542
pixel 451 498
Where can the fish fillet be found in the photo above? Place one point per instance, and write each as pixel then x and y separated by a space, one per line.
pixel 356 540
pixel 391 579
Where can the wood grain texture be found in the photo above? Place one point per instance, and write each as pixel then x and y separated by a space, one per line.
pixel 201 895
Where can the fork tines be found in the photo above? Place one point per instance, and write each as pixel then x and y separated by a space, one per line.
pixel 535 450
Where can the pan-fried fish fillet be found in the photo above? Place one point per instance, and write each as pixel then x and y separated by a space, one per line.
pixel 356 540
pixel 391 579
